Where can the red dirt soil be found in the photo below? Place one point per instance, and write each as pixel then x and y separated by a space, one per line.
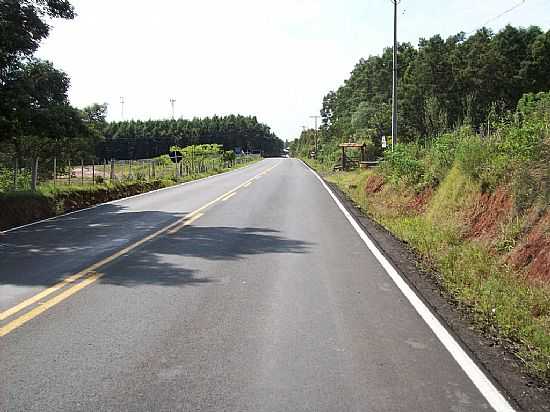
pixel 421 200
pixel 488 212
pixel 534 251
pixel 374 184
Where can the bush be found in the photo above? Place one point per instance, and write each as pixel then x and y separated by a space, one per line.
pixel 6 179
pixel 228 156
pixel 404 164
pixel 440 156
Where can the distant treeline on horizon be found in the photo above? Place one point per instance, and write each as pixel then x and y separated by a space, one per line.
pixel 136 139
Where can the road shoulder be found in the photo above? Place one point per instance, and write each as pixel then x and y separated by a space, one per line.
pixel 500 364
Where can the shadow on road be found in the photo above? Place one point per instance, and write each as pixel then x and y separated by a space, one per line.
pixel 46 253
pixel 169 259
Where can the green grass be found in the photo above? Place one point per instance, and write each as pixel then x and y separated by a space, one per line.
pixel 49 200
pixel 500 301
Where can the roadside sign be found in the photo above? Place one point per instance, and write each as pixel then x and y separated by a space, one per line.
pixel 176 156
pixel 384 142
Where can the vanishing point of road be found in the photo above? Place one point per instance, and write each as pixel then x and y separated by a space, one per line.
pixel 246 291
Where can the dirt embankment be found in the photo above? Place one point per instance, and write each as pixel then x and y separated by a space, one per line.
pixel 22 208
pixel 488 213
pixel 486 220
pixel 530 252
pixel 533 251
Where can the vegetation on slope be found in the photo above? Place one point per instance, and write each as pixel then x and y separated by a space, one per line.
pixel 442 84
pixel 476 209
pixel 19 208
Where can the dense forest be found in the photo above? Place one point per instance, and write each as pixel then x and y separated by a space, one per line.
pixel 147 139
pixel 442 84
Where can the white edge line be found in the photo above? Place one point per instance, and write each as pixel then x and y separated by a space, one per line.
pixel 472 370
pixel 125 198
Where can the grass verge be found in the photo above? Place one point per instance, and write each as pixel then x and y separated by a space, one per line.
pixel 20 208
pixel 502 302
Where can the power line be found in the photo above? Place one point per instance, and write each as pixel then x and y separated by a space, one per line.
pixel 501 14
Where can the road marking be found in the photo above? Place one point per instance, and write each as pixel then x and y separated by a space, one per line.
pixel 4 330
pixel 186 223
pixel 6 314
pixel 248 184
pixel 90 271
pixel 225 199
pixel 476 375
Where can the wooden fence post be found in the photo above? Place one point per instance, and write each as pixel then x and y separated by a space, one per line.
pixel 112 176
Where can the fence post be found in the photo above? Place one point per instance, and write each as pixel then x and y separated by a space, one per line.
pixel 112 176
pixel 82 171
pixel 130 169
pixel 70 171
pixel 154 176
pixel 54 170
pixel 93 172
pixel 104 169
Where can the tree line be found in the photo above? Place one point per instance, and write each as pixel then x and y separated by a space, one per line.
pixel 37 120
pixel 147 139
pixel 443 83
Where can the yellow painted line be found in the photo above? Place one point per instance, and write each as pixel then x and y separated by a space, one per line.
pixel 46 292
pixel 225 199
pixel 248 184
pixel 186 223
pixel 90 270
pixel 4 330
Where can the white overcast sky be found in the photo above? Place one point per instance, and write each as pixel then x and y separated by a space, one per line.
pixel 274 59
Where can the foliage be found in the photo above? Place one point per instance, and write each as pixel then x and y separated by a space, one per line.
pixel 23 26
pixel 228 156
pixel 36 118
pixel 6 179
pixel 148 139
pixel 404 164
pixel 499 301
pixel 442 84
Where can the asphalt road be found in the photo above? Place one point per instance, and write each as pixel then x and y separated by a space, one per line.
pixel 265 300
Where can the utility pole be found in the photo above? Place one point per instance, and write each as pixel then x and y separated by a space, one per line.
pixel 394 88
pixel 122 107
pixel 172 102
pixel 316 136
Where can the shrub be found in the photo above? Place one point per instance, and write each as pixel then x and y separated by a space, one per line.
pixel 404 164
pixel 6 179
pixel 440 156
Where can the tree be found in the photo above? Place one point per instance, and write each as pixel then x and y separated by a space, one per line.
pixel 443 83
pixel 23 27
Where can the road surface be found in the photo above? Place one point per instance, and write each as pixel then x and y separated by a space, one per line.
pixel 247 291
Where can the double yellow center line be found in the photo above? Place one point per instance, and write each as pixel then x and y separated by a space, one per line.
pixel 89 275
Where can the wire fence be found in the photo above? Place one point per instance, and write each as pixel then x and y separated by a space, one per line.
pixel 28 174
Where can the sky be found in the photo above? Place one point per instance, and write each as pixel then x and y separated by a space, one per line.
pixel 274 59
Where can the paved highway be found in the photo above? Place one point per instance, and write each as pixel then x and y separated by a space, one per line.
pixel 247 291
